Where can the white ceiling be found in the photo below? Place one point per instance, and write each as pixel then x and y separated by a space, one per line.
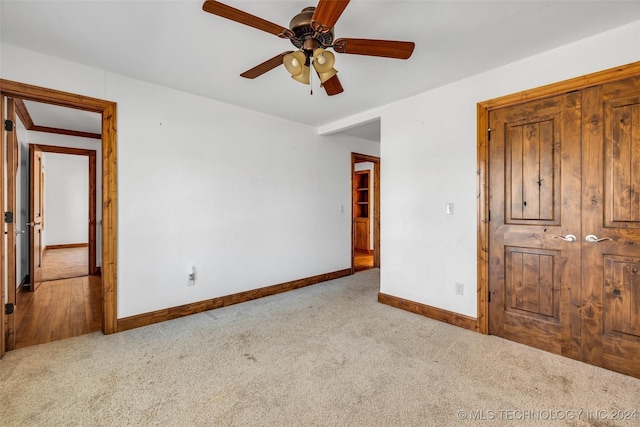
pixel 176 44
pixel 64 118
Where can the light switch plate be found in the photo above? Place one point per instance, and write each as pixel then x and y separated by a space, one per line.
pixel 449 209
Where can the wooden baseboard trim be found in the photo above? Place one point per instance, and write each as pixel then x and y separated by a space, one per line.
pixel 67 246
pixel 24 282
pixel 450 317
pixel 145 319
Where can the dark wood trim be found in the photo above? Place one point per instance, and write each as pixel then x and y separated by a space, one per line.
pixel 565 86
pixel 66 150
pixel 361 158
pixel 23 282
pixel 67 246
pixel 483 109
pixel 47 129
pixel 483 223
pixel 23 114
pixel 11 153
pixel 376 214
pixel 109 181
pixel 4 328
pixel 109 220
pixel 353 212
pixel 198 307
pixel 450 317
pixel 27 121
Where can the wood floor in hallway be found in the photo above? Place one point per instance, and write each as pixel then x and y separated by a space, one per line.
pixel 64 263
pixel 60 308
pixel 362 260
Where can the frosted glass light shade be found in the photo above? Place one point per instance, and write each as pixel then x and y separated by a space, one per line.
pixel 303 77
pixel 323 60
pixel 327 75
pixel 294 62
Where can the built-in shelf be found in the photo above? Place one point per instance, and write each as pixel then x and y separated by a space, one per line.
pixel 361 209
pixel 362 194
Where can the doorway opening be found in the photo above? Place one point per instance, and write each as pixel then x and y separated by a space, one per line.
pixel 107 288
pixel 365 212
pixel 71 211
pixel 62 297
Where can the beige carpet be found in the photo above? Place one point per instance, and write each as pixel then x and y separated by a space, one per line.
pixel 326 355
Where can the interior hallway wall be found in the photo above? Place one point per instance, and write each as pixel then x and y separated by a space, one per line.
pixel 66 199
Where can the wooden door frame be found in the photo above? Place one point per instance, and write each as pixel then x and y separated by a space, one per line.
pixel 92 231
pixel 107 110
pixel 483 132
pixel 357 158
pixel 3 282
pixel 36 180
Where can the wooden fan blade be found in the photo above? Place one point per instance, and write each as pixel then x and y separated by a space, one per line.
pixel 245 18
pixel 326 14
pixel 333 86
pixel 370 47
pixel 267 65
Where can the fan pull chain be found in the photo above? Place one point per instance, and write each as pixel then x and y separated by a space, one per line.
pixel 311 77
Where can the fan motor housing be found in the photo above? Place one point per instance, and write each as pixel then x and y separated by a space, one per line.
pixel 304 35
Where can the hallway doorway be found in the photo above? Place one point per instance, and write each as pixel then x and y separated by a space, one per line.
pixel 365 212
pixel 108 286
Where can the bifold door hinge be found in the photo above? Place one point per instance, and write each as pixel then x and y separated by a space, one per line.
pixel 8 125
pixel 489 133
pixel 8 217
pixel 489 296
pixel 8 308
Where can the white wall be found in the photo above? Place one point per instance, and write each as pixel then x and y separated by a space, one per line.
pixel 198 185
pixel 429 159
pixel 369 167
pixel 66 199
pixel 428 151
pixel 249 199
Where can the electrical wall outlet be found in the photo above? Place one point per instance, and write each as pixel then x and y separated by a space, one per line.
pixel 459 288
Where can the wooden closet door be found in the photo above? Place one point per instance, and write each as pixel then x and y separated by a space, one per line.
pixel 534 202
pixel 611 215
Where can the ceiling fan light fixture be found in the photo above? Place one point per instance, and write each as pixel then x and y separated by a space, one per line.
pixel 323 60
pixel 304 76
pixel 294 62
pixel 327 75
pixel 311 31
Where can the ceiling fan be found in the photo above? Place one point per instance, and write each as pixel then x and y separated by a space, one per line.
pixel 311 32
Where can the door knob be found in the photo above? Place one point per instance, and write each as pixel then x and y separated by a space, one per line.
pixel 594 239
pixel 567 238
